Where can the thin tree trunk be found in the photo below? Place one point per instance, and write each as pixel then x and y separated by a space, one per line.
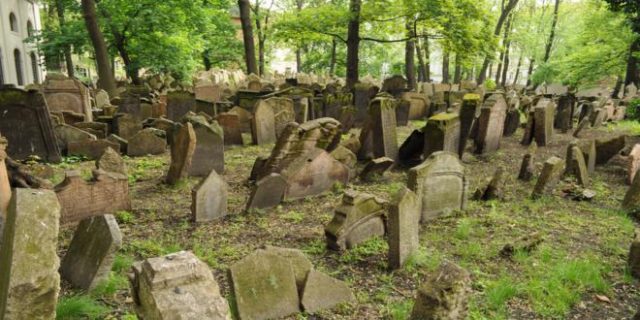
pixel 67 48
pixel 515 78
pixel 482 75
pixel 299 60
pixel 247 34
pixel 353 43
pixel 106 80
pixel 427 64
pixel 633 75
pixel 256 11
pixel 457 74
pixel 332 66
pixel 552 35
pixel 409 58
pixel 445 66
pixel 505 64
pixel 503 50
pixel 618 88
pixel 422 69
pixel 530 72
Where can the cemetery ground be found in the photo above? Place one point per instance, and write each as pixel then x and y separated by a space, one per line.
pixel 578 271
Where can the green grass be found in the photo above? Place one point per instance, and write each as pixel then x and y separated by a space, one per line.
pixel 366 249
pixel 499 292
pixel 80 307
pixel 399 310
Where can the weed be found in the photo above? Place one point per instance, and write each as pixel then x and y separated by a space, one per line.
pixel 125 217
pixel 79 307
pixel 368 248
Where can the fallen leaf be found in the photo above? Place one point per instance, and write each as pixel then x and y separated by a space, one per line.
pixel 603 298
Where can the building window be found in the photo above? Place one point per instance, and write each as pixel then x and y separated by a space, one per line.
pixel 34 67
pixel 13 22
pixel 1 71
pixel 30 29
pixel 18 61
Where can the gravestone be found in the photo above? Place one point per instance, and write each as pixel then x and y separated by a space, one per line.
pixel 549 177
pixel 346 157
pixel 324 292
pixel 67 95
pixel 283 111
pixel 419 105
pixel 634 256
pixel 565 111
pixel 230 124
pixel 179 103
pixel 442 133
pixel 146 142
pixel 127 125
pixel 491 124
pixel 358 219
pixel 631 200
pixel 208 92
pixel 268 192
pixel 66 134
pixel 543 122
pixel 264 286
pixel 383 127
pixel 511 122
pixel 177 286
pixel 632 166
pixel 395 85
pixel 263 124
pixel 608 148
pixel 576 165
pixel 25 122
pixel 363 93
pixel 411 150
pixel 102 99
pixel 29 281
pixel 209 152
pixel 90 149
pixel 444 295
pixel 312 174
pixel 182 151
pixel 110 161
pixel 403 228
pixel 469 112
pixel 106 193
pixel 375 169
pixel 528 166
pixel 588 148
pixel 209 199
pixel 440 183
pixel 90 255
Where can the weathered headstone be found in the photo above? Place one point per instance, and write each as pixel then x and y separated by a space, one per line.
pixel 180 103
pixel 91 149
pixel 110 161
pixel 264 286
pixel 91 252
pixel 312 174
pixel 491 124
pixel 375 169
pixel 631 200
pixel 440 183
pixel 608 148
pixel 543 119
pixel 411 150
pixel 268 192
pixel 576 165
pixel 26 123
pixel 263 124
pixel 549 177
pixel 384 127
pixel 177 286
pixel 588 148
pixel 565 110
pixel 127 125
pixel 469 111
pixel 357 219
pixel 403 228
pixel 445 295
pixel 66 94
pixel 527 167
pixel 324 292
pixel 230 124
pixel 634 256
pixel 633 163
pixel 182 150
pixel 146 142
pixel 209 199
pixel 442 133
pixel 283 112
pixel 29 281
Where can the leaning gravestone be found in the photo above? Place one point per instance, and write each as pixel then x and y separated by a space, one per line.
pixel 608 148
pixel 209 152
pixel 264 286
pixel 491 124
pixel 323 292
pixel 91 252
pixel 576 165
pixel 543 121
pixel 146 142
pixel 127 125
pixel 177 286
pixel 403 228
pixel 469 111
pixel 633 163
pixel 442 133
pixel 358 219
pixel 312 174
pixel 25 122
pixel 110 161
pixel 263 124
pixel 549 177
pixel 209 199
pixel 230 124
pixel 440 183
pixel 29 281
pixel 383 129
pixel 182 149
pixel 268 192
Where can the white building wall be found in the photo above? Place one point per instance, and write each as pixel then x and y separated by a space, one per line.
pixel 25 11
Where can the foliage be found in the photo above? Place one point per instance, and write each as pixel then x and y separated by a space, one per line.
pixel 79 307
pixel 633 110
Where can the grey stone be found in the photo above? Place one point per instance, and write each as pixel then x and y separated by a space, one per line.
pixel 111 161
pixel 268 192
pixel 376 168
pixel 403 228
pixel 634 256
pixel 491 124
pixel 442 133
pixel 549 177
pixel 263 124
pixel 209 152
pixel 182 151
pixel 576 165
pixel 608 148
pixel 146 142
pixel 91 252
pixel 209 198
pixel 324 292
pixel 444 296
pixel 358 219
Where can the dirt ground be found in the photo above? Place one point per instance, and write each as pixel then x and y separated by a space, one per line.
pixel 578 272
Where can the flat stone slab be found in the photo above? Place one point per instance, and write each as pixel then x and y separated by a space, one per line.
pixel 324 292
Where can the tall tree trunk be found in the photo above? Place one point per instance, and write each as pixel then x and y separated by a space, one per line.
pixel 247 34
pixel 256 11
pixel 457 74
pixel 427 64
pixel 552 35
pixel 206 61
pixel 131 67
pixel 511 4
pixel 515 78
pixel 503 50
pixel 505 64
pixel 67 48
pixel 530 72
pixel 353 43
pixel 298 60
pixel 409 58
pixel 106 80
pixel 619 87
pixel 332 66
pixel 422 69
pixel 633 75
pixel 445 66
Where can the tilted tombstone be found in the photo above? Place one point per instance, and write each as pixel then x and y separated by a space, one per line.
pixel 359 218
pixel 419 105
pixel 283 112
pixel 469 113
pixel 231 128
pixel 147 142
pixel 209 153
pixel 91 252
pixel 633 163
pixel 177 286
pixel 127 125
pixel 565 110
pixel 208 92
pixel 26 123
pixel 263 124
pixel 543 122
pixel 180 103
pixel 383 127
pixel 29 281
pixel 312 174
pixel 66 134
pixel 403 228
pixel 209 198
pixel 442 133
pixel 66 94
pixel 362 95
pixel 182 152
pixel 549 177
pixel 576 165
pixel 440 183
pixel 491 124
